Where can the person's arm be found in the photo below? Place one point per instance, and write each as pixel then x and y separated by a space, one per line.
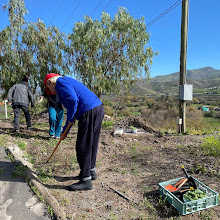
pixel 41 99
pixel 31 96
pixel 10 94
pixel 64 133
pixel 69 99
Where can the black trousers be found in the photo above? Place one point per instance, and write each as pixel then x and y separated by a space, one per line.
pixel 89 127
pixel 25 109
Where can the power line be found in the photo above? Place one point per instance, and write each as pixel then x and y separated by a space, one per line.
pixel 105 7
pixel 96 7
pixel 56 12
pixel 72 13
pixel 164 13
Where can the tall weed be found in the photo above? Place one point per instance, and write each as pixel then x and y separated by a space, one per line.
pixel 211 145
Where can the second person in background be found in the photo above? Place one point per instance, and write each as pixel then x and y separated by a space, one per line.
pixel 55 111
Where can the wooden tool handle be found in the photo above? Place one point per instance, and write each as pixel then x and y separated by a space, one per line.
pixel 67 129
pixel 181 184
pixel 191 188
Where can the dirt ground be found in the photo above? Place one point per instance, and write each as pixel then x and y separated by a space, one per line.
pixel 129 170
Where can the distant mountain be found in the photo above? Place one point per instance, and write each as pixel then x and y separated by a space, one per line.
pixel 197 74
pixel 200 78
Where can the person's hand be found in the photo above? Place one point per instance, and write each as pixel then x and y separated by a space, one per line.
pixel 63 136
pixel 40 100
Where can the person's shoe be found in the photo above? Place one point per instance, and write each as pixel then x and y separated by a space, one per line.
pixel 52 136
pixel 57 137
pixel 30 128
pixel 81 185
pixel 93 175
pixel 16 131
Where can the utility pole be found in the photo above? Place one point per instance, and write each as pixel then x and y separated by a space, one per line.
pixel 183 53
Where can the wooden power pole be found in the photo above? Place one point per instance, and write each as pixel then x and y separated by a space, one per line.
pixel 183 53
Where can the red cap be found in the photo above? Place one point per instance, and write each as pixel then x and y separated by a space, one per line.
pixel 48 76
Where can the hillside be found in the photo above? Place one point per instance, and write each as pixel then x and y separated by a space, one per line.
pixel 206 77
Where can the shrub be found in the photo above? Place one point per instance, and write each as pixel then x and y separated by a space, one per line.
pixel 211 113
pixel 22 146
pixel 107 124
pixel 108 110
pixel 195 120
pixel 211 146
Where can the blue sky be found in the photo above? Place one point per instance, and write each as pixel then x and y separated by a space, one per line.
pixel 203 32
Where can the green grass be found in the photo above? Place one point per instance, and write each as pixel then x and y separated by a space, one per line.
pixel 136 113
pixel 212 121
pixel 19 171
pixel 211 145
pixel 107 125
pixel 22 146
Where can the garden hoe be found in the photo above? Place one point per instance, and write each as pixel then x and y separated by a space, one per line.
pixel 191 180
pixel 67 129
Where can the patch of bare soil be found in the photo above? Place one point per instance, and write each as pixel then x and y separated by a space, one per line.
pixel 129 171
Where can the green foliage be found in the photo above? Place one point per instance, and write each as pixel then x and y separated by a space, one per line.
pixel 108 110
pixel 107 102
pixel 10 157
pixel 29 49
pixel 19 171
pixel 22 146
pixel 110 53
pixel 46 51
pixel 201 169
pixel 133 128
pixel 11 61
pixel 125 112
pixel 195 101
pixel 211 113
pixel 107 124
pixel 211 145
pixel 194 195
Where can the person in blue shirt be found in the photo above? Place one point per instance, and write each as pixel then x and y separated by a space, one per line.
pixel 82 105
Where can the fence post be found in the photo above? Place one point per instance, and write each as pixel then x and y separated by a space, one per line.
pixel 6 113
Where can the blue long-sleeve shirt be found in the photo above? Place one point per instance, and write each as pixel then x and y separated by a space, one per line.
pixel 75 97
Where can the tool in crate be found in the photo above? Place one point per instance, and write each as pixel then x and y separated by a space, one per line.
pixel 183 186
pixel 191 196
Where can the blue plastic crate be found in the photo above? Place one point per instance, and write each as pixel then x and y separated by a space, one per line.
pixel 211 199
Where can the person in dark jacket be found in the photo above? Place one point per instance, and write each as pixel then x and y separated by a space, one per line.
pixel 56 113
pixel 20 95
pixel 82 105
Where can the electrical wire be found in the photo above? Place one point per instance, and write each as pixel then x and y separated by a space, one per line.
pixel 164 13
pixel 56 12
pixel 105 7
pixel 72 13
pixel 96 7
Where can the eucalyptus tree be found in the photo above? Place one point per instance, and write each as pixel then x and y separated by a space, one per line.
pixel 45 48
pixel 110 53
pixel 11 65
pixel 28 48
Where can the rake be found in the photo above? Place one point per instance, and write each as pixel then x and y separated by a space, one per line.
pixel 65 132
